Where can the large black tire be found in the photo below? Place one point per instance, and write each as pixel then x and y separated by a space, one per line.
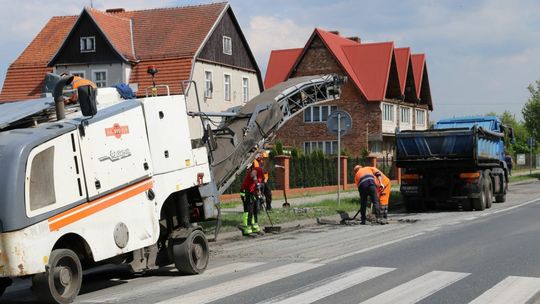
pixel 4 283
pixel 501 198
pixel 488 187
pixel 62 282
pixel 479 204
pixel 191 256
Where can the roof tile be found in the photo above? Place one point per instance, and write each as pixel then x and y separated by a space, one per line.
pixel 281 62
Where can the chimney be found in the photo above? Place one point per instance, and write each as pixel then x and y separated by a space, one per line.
pixel 334 32
pixel 354 38
pixel 115 10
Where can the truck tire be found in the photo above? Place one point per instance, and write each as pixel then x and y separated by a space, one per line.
pixel 501 198
pixel 62 281
pixel 4 283
pixel 191 255
pixel 479 204
pixel 489 192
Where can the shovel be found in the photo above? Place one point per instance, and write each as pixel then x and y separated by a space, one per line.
pixel 272 228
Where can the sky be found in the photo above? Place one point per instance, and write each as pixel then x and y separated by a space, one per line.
pixel 481 55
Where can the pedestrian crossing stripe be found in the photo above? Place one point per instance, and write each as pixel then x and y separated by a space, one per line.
pixel 230 288
pixel 331 286
pixel 418 289
pixel 510 290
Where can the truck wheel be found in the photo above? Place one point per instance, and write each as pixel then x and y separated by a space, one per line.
pixel 4 283
pixel 62 281
pixel 479 203
pixel 191 256
pixel 489 192
pixel 501 198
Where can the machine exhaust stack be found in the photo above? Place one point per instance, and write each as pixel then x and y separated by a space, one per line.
pixel 59 98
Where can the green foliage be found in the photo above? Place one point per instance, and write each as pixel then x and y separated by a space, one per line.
pixel 531 111
pixel 520 133
pixel 279 147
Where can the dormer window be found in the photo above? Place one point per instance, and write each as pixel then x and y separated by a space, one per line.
pixel 227 45
pixel 88 44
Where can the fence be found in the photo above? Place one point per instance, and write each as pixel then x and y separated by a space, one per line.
pixel 315 170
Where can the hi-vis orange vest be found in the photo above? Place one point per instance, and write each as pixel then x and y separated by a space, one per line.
pixel 79 82
pixel 385 179
pixel 363 174
pixel 256 165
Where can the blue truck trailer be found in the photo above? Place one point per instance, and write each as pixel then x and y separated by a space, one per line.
pixel 459 161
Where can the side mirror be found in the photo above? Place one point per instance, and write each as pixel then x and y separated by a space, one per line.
pixel 87 100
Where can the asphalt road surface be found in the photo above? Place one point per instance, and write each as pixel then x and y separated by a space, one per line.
pixel 444 256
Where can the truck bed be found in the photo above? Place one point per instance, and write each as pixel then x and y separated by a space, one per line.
pixel 448 147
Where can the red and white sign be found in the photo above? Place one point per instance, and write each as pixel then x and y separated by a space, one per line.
pixel 117 130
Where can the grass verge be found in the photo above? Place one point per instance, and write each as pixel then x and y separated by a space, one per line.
pixel 230 220
pixel 519 178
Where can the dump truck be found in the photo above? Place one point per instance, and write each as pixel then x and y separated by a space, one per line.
pixel 458 161
pixel 122 181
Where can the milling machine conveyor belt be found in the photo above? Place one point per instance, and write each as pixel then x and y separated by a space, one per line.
pixel 235 143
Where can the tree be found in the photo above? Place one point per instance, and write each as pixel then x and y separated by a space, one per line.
pixel 531 111
pixel 520 133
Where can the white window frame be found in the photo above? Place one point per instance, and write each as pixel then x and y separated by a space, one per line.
pixel 245 89
pixel 208 90
pixel 423 120
pixel 227 87
pixel 225 44
pixel 94 80
pixel 388 112
pixel 315 144
pixel 85 44
pixel 406 110
pixel 78 73
pixel 310 110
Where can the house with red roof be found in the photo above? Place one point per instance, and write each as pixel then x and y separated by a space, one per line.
pixel 387 89
pixel 203 43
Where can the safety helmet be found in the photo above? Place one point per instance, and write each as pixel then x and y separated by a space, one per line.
pixel 356 168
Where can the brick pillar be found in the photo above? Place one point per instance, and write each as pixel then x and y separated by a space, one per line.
pixel 282 171
pixel 398 175
pixel 372 161
pixel 343 163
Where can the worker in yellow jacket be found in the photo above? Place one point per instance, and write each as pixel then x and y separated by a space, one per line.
pixel 262 162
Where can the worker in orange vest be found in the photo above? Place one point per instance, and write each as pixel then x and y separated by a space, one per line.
pixel 384 189
pixel 364 179
pixel 262 161
pixel 80 86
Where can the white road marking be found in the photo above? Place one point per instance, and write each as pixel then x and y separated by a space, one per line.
pixel 230 288
pixel 116 296
pixel 510 290
pixel 330 286
pixel 418 289
pixel 339 257
pixel 517 206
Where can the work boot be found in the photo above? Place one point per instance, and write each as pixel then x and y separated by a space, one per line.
pixel 246 229
pixel 255 228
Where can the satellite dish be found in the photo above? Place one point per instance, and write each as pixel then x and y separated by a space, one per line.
pixel 345 122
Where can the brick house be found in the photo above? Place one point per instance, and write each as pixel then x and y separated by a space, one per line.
pixel 387 88
pixel 203 43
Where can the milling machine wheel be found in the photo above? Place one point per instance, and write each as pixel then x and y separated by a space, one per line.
pixel 62 281
pixel 191 255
